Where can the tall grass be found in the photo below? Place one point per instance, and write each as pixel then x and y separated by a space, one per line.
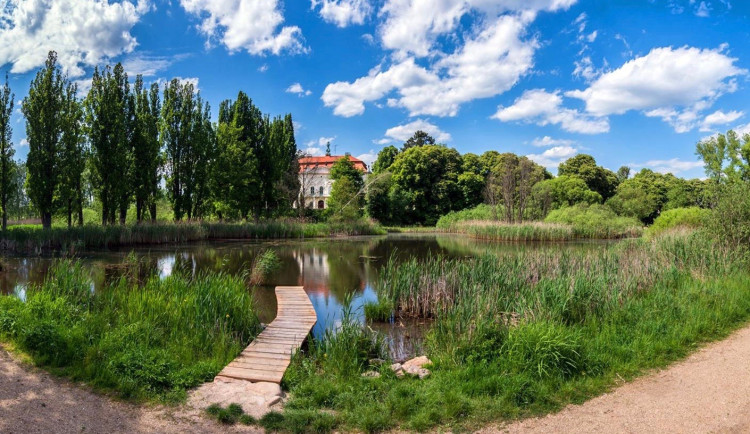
pixel 149 342
pixel 30 239
pixel 524 333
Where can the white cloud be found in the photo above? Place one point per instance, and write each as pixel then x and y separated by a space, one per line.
pixel 369 157
pixel 83 32
pixel 554 156
pixel 674 84
pixel 547 141
pixel 251 25
pixel 544 108
pixel 402 133
pixel 383 141
pixel 84 86
pixel 297 89
pixel 592 36
pixel 703 10
pixel 263 68
pixel 488 64
pixel 148 66
pixel 23 143
pixel 343 12
pixel 674 166
pixel 719 118
pixel 184 80
pixel 741 130
pixel 317 147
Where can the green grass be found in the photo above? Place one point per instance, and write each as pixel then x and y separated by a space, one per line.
pixel 596 221
pixel 148 342
pixel 524 333
pixel 481 212
pixel 690 218
pixel 32 239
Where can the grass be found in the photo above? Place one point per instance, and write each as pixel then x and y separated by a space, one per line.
pixel 524 333
pixel 572 223
pixel 692 217
pixel 32 239
pixel 265 263
pixel 148 342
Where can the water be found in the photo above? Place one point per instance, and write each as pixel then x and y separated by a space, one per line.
pixel 328 269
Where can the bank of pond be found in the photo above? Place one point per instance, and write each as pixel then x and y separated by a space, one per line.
pixel 512 330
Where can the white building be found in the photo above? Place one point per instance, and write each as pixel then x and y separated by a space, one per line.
pixel 315 178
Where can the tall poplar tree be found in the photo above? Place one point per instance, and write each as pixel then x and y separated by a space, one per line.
pixel 146 149
pixel 44 112
pixel 73 156
pixel 7 166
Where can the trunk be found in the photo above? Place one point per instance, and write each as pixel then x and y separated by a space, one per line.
pixel 153 211
pixel 5 213
pixel 123 214
pixel 105 214
pixel 139 210
pixel 79 203
pixel 70 213
pixel 47 220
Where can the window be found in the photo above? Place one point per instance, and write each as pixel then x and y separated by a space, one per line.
pixel 312 191
pixel 321 191
pixel 321 204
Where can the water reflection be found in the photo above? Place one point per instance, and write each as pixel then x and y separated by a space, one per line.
pixel 329 270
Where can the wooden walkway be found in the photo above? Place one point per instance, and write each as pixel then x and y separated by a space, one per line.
pixel 268 356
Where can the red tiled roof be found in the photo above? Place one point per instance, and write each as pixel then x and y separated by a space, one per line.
pixel 307 163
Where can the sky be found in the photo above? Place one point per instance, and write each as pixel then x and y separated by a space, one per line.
pixel 631 82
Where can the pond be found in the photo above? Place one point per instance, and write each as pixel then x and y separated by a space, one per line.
pixel 330 270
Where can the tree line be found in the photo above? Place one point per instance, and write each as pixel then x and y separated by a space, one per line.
pixel 130 144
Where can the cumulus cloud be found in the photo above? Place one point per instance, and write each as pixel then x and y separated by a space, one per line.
pixel 317 147
pixel 148 66
pixel 552 157
pixel 23 143
pixel 83 32
pixel 402 133
pixel 251 25
pixel 720 118
pixel 486 65
pixel 547 141
pixel 343 12
pixel 741 130
pixel 297 89
pixel 675 84
pixel 368 157
pixel 543 108
pixel 674 166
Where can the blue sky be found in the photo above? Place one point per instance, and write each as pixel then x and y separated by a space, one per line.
pixel 634 82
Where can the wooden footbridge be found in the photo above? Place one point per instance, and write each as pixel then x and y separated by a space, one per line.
pixel 269 355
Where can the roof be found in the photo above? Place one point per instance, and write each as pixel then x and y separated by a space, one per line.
pixel 306 163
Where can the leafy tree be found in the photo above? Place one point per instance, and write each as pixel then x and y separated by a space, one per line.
pixel 6 149
pixel 43 108
pixel 146 149
pixel 73 158
pixel 597 178
pixel 726 157
pixel 511 180
pixel 425 184
pixel 646 194
pixel 378 203
pixel 420 138
pixel 346 199
pixel 385 159
pixel 561 191
pixel 623 173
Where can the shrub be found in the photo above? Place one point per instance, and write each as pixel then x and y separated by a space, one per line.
pixel 692 217
pixel 730 220
pixel 596 221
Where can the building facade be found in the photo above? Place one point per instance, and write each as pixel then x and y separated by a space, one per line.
pixel 315 179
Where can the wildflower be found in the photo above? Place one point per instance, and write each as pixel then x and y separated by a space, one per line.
pixel 227 315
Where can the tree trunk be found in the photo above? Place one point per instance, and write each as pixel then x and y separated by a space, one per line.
pixel 123 214
pixel 153 211
pixel 47 220
pixel 70 213
pixel 5 213
pixel 139 210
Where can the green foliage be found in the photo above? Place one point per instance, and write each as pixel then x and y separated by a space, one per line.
pixel 425 184
pixel 377 200
pixel 143 343
pixel 265 263
pixel 420 138
pixel 730 220
pixel 346 200
pixel 385 159
pixel 510 183
pixel 692 217
pixel 380 311
pixel 481 212
pixel 597 178
pixel 7 165
pixel 146 149
pixel 726 157
pixel 561 191
pixel 596 221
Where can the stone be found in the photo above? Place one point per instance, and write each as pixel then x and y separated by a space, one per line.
pixel 414 365
pixel 423 373
pixel 371 374
pixel 254 398
pixel 376 362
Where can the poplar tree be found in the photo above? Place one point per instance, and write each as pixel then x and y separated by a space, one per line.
pixel 73 156
pixel 43 109
pixel 6 149
pixel 146 149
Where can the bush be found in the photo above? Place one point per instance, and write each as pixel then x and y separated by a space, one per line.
pixel 596 221
pixel 692 217
pixel 730 220
pixel 480 212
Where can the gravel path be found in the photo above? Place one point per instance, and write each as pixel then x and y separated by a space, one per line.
pixel 32 401
pixel 707 392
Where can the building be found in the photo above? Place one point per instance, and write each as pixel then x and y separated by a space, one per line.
pixel 315 178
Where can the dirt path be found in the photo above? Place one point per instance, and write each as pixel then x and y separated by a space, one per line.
pixel 707 392
pixel 32 401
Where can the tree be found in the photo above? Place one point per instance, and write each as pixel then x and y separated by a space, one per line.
pixel 385 159
pixel 561 191
pixel 43 109
pixel 425 184
pixel 73 158
pixel 346 192
pixel 6 149
pixel 146 149
pixel 597 178
pixel 378 204
pixel 623 173
pixel 420 138
pixel 110 122
pixel 511 181
pixel 726 157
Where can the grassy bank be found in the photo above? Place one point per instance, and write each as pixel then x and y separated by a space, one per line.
pixel 519 334
pixel 143 341
pixel 565 224
pixel 33 239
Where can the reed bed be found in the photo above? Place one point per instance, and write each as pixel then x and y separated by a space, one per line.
pixel 30 239
pixel 147 342
pixel 523 333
